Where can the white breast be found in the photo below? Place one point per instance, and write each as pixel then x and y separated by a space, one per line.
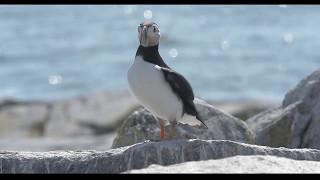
pixel 147 84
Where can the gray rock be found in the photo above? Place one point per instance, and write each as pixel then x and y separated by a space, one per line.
pixel 273 127
pixel 306 121
pixel 238 164
pixel 139 156
pixel 306 90
pixel 22 119
pixel 141 126
pixel 296 123
pixel 92 114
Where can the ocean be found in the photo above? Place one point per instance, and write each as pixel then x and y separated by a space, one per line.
pixel 227 52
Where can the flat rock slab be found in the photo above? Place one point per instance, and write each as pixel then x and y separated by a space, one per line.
pixel 238 164
pixel 139 156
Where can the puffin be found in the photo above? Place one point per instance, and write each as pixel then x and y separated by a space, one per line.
pixel 164 92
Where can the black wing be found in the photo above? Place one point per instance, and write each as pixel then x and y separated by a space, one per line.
pixel 183 90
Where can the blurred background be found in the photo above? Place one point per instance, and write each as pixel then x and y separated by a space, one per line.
pixel 63 68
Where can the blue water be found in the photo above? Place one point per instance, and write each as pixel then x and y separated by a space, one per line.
pixel 226 52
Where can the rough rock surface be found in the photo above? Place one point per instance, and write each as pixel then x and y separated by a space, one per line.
pixel 238 164
pixel 141 126
pixel 306 123
pixel 273 127
pixel 308 89
pixel 139 156
pixel 296 123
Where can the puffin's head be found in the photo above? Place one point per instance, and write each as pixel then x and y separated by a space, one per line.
pixel 149 33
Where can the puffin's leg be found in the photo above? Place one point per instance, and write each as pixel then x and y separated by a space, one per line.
pixel 173 132
pixel 162 129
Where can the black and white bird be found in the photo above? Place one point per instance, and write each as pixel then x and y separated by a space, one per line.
pixel 161 90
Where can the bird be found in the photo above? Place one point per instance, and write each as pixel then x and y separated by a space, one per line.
pixel 161 90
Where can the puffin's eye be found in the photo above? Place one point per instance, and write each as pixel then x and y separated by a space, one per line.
pixel 154 29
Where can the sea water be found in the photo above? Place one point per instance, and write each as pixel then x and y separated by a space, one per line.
pixel 227 52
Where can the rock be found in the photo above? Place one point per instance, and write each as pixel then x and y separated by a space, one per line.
pixel 141 126
pixel 238 164
pixel 4 103
pixel 306 121
pixel 19 119
pixel 296 123
pixel 308 90
pixel 273 127
pixel 139 156
pixel 93 114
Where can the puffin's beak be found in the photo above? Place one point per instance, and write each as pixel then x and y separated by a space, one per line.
pixel 145 31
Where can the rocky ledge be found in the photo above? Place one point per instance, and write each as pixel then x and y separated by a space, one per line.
pixel 139 156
